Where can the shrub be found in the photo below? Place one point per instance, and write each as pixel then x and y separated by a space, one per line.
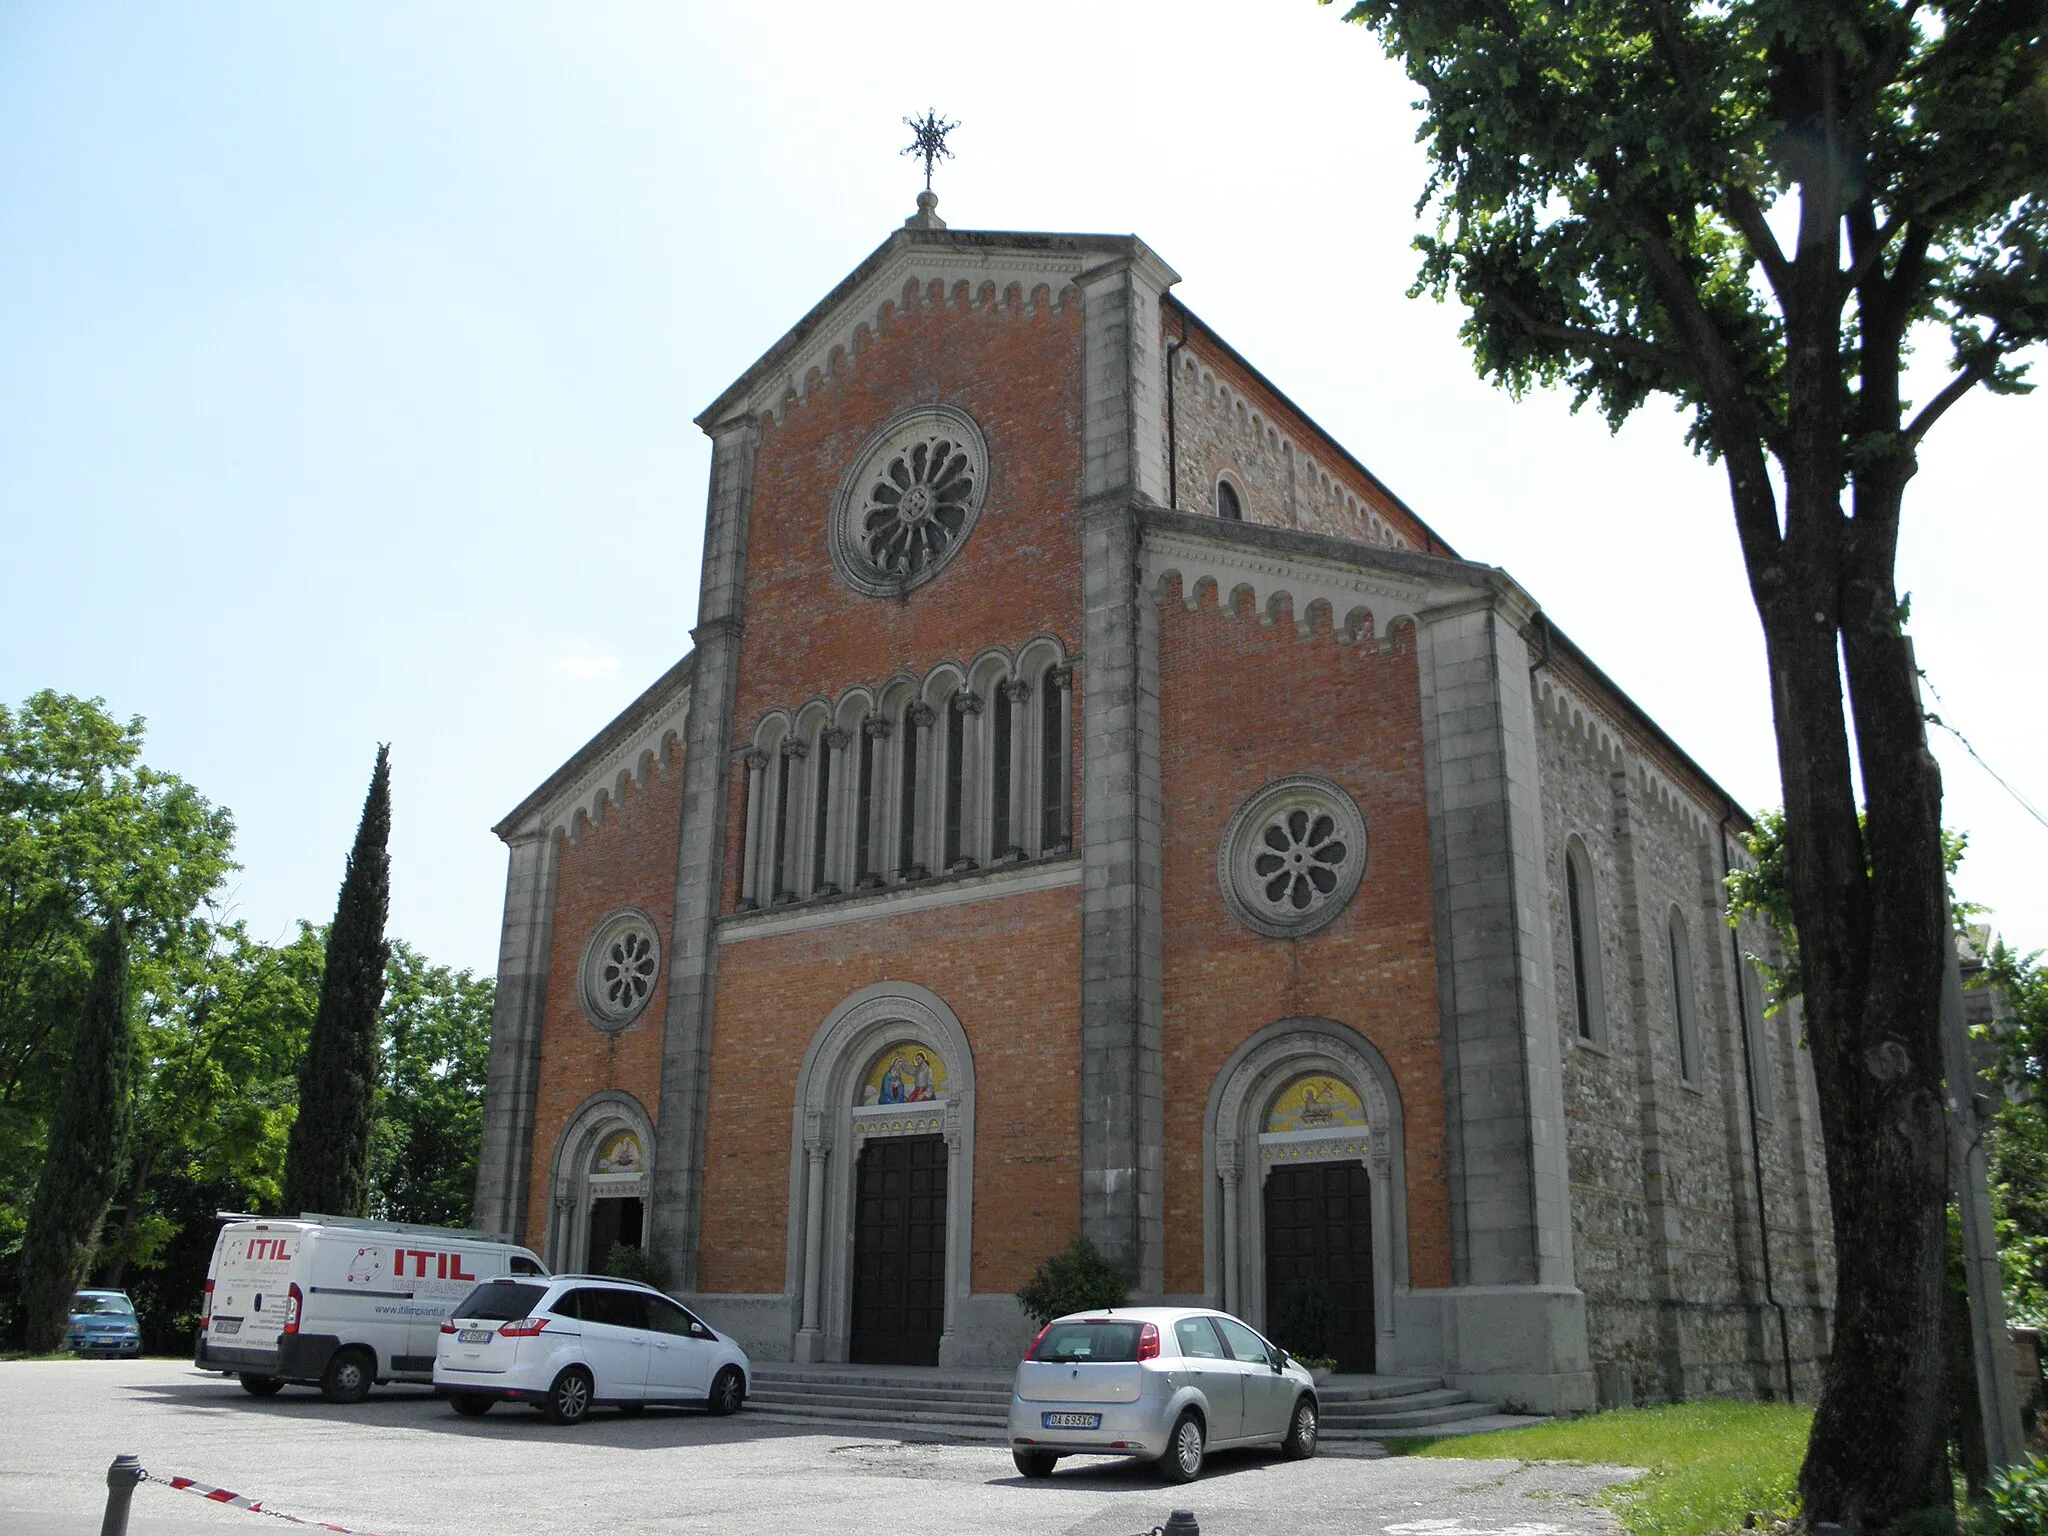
pixel 1303 1320
pixel 2015 1503
pixel 1076 1279
pixel 626 1261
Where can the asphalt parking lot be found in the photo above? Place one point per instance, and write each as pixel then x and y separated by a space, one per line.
pixel 403 1463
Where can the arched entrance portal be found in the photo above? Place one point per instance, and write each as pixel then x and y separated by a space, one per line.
pixel 882 1216
pixel 1305 1215
pixel 1318 1221
pixel 600 1182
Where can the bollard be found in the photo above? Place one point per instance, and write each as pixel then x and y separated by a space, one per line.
pixel 122 1477
pixel 1181 1523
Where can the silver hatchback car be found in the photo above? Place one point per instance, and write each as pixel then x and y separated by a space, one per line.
pixel 1167 1384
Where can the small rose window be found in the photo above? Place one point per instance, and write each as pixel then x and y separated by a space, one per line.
pixel 910 500
pixel 620 969
pixel 1292 856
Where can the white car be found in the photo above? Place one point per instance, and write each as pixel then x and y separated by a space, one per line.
pixel 1167 1384
pixel 568 1343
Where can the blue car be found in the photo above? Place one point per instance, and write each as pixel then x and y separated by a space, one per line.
pixel 103 1323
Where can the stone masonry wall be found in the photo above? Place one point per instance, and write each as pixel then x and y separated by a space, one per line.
pixel 1663 1200
pixel 1242 703
pixel 1288 474
pixel 626 860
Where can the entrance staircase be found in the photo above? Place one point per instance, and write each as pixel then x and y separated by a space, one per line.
pixel 975 1405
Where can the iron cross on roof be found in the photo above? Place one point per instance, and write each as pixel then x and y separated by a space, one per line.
pixel 930 141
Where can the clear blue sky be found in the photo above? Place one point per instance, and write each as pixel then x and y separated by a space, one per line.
pixel 348 354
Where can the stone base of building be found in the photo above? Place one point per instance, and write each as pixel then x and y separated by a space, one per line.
pixel 1523 1346
pixel 989 1331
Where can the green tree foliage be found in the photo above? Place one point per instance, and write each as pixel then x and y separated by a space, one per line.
pixel 437 1044
pixel 327 1156
pixel 1750 207
pixel 1303 1320
pixel 1075 1279
pixel 2018 1145
pixel 88 1142
pixel 629 1261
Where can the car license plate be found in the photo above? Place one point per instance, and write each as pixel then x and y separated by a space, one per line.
pixel 475 1335
pixel 227 1325
pixel 1073 1421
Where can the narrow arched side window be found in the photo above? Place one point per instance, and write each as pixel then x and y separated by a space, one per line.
pixel 788 819
pixel 1229 505
pixel 1055 745
pixel 963 718
pixel 1582 920
pixel 1683 1019
pixel 912 754
pixel 1759 1028
pixel 868 802
pixel 1008 698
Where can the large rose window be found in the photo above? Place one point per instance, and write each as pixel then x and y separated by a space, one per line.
pixel 1292 856
pixel 910 500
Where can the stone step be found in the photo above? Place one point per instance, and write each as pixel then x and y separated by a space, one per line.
pixel 1371 1389
pixel 882 1391
pixel 1374 1426
pixel 1339 1411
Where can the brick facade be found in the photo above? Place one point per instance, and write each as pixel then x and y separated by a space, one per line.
pixel 1545 1210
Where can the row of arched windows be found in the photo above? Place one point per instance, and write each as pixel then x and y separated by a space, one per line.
pixel 963 769
pixel 1589 991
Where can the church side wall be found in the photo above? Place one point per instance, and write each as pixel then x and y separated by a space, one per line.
pixel 626 860
pixel 1664 1210
pixel 1243 703
pixel 1287 475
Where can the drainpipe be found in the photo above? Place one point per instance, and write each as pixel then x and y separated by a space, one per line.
pixel 1172 437
pixel 1756 1146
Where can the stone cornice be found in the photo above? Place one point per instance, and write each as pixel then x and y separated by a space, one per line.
pixel 579 789
pixel 976 257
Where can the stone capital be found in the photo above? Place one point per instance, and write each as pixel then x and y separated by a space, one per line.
pixel 920 714
pixel 837 738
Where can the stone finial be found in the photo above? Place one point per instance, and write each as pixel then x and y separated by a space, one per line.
pixel 927 216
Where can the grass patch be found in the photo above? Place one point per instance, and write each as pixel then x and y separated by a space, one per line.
pixel 1709 1463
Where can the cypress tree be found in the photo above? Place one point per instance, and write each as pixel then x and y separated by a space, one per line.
pixel 88 1145
pixel 327 1159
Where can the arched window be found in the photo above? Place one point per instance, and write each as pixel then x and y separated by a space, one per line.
pixel 1002 735
pixel 868 809
pixel 962 712
pixel 917 720
pixel 1055 752
pixel 1682 1010
pixel 1582 919
pixel 1759 1030
pixel 1228 505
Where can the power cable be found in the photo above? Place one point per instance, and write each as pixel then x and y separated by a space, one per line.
pixel 1933 719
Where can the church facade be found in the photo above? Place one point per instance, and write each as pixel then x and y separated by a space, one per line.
pixel 1094 803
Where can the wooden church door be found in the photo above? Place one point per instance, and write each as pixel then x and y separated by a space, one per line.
pixel 1319 1233
pixel 899 1251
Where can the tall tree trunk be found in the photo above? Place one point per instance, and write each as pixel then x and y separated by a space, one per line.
pixel 327 1158
pixel 88 1139
pixel 1869 922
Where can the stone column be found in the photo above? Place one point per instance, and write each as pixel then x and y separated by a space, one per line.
pixel 1232 1175
pixel 750 851
pixel 817 1152
pixel 674 1209
pixel 504 1166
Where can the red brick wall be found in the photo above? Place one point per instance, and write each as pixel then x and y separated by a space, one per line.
pixel 1010 969
pixel 1016 369
pixel 628 861
pixel 1242 704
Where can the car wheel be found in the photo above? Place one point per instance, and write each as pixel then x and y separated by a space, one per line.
pixel 1182 1462
pixel 632 1410
pixel 728 1391
pixel 471 1405
pixel 569 1398
pixel 348 1376
pixel 1300 1443
pixel 1035 1463
pixel 261 1386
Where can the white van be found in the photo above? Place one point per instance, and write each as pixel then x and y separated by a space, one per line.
pixel 339 1302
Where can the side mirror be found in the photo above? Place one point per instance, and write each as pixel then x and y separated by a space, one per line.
pixel 1278 1359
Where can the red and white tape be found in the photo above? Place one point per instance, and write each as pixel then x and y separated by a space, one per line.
pixel 237 1501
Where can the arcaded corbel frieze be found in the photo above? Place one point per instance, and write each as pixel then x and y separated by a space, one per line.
pixel 634 759
pixel 1360 599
